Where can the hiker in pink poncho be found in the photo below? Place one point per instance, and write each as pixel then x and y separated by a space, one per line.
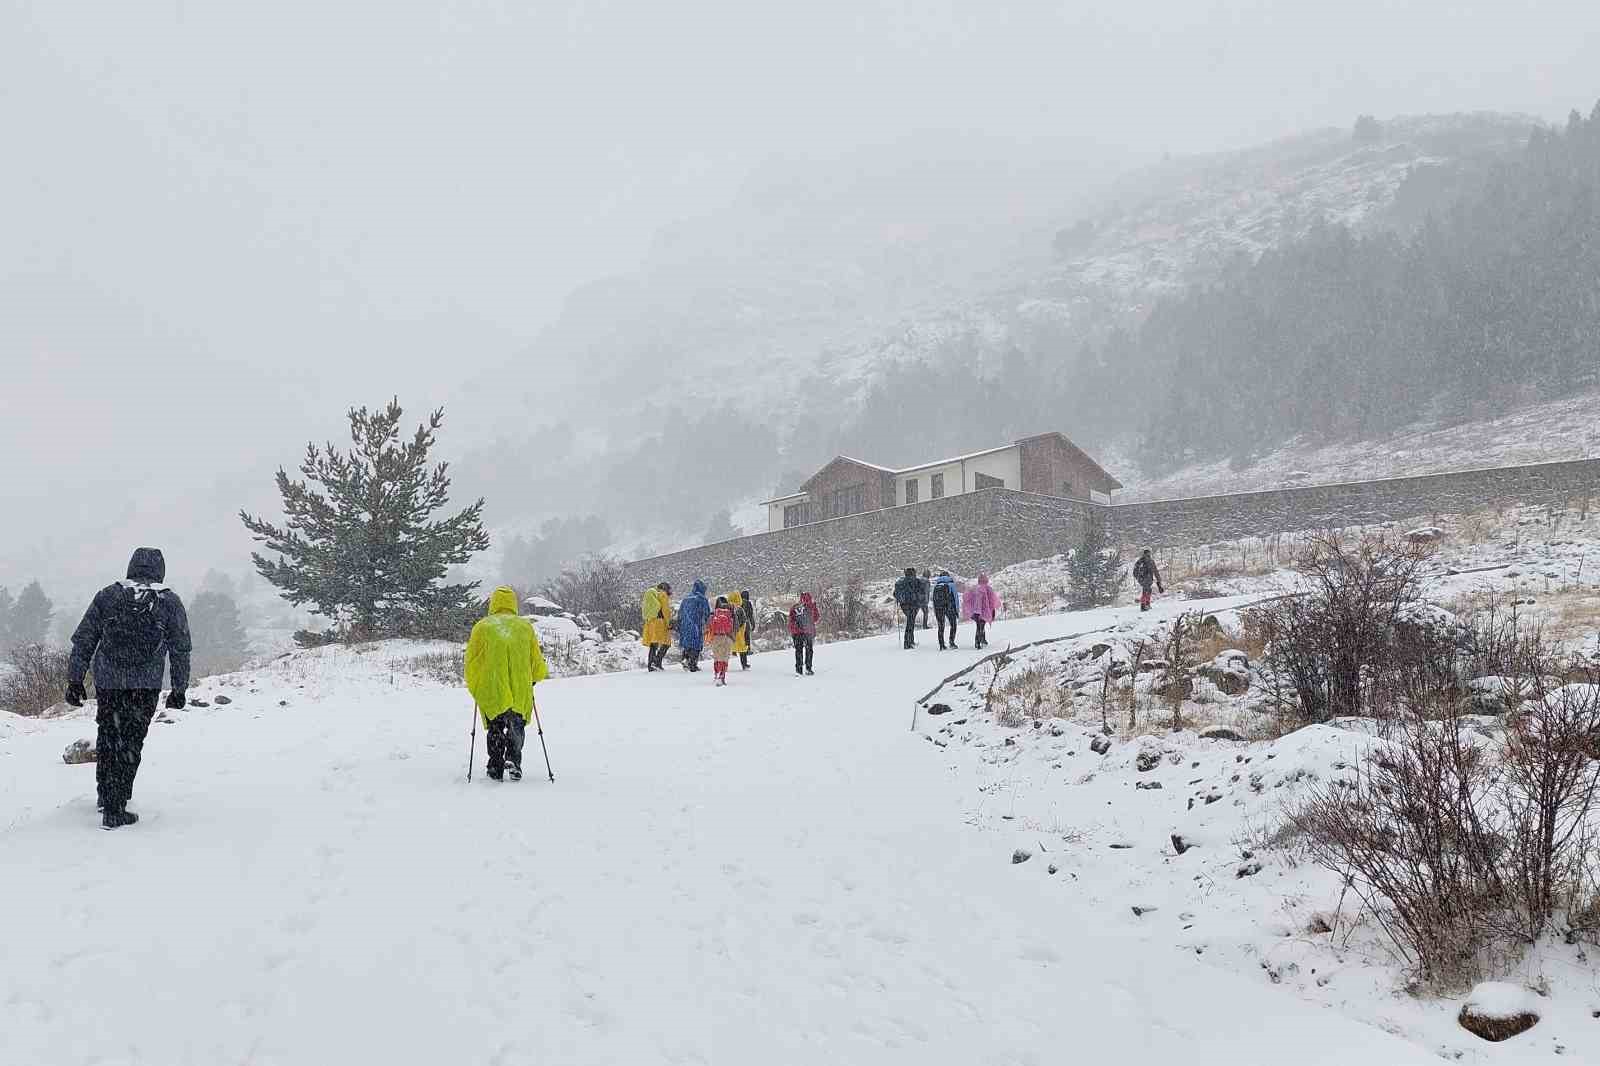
pixel 981 603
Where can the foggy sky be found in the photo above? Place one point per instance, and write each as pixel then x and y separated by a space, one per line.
pixel 221 224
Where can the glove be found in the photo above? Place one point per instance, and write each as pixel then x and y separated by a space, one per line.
pixel 176 700
pixel 76 694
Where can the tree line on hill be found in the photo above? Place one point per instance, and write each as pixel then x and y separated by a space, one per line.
pixel 1483 298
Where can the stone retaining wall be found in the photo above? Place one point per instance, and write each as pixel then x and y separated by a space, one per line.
pixel 994 528
pixel 1207 519
pixel 973 532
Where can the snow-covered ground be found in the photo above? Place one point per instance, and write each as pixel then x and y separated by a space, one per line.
pixel 774 871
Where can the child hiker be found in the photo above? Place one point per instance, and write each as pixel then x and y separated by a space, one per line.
pixel 720 632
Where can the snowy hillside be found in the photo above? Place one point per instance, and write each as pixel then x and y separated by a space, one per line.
pixel 1536 433
pixel 774 871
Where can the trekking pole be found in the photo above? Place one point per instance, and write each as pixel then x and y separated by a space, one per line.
pixel 472 750
pixel 540 726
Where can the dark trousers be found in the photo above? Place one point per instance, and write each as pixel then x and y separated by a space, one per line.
pixel 744 660
pixel 1144 597
pixel 943 617
pixel 804 646
pixel 911 626
pixel 924 616
pixel 658 656
pixel 505 735
pixel 982 640
pixel 123 717
pixel 691 659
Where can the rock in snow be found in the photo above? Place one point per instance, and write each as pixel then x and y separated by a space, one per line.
pixel 1498 1011
pixel 79 751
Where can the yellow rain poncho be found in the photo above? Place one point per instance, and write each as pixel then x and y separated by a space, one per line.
pixel 656 609
pixel 741 634
pixel 503 660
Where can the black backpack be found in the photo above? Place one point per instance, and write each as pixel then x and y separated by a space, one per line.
pixel 136 632
pixel 941 596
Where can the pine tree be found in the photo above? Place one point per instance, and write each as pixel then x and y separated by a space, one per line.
pixel 1094 568
pixel 220 644
pixel 365 550
pixel 30 616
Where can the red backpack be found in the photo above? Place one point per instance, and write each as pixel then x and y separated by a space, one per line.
pixel 722 623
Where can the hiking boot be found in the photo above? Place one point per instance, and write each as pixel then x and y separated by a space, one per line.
pixel 810 672
pixel 117 819
pixel 496 773
pixel 514 772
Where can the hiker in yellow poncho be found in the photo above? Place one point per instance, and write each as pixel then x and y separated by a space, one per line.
pixel 655 608
pixel 744 616
pixel 503 664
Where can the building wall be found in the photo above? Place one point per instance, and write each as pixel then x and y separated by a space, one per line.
pixel 997 527
pixel 924 480
pixel 837 475
pixel 1048 465
pixel 1005 464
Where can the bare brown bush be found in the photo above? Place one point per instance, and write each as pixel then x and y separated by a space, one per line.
pixel 36 681
pixel 1465 846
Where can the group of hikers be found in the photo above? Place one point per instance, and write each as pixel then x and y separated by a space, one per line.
pixel 726 627
pixel 915 595
pixel 136 630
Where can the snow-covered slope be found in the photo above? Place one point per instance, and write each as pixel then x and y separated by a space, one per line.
pixel 775 871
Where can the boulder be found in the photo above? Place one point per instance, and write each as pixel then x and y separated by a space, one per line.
pixel 1100 745
pixel 1220 734
pixel 79 751
pixel 1424 535
pixel 1497 1011
pixel 1172 686
pixel 940 708
pixel 1021 855
pixel 1146 761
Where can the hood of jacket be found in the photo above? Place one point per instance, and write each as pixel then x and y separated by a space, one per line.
pixel 699 588
pixel 805 598
pixel 735 600
pixel 147 565
pixel 503 600
pixel 983 579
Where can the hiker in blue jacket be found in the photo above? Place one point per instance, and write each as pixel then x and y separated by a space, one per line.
pixel 693 614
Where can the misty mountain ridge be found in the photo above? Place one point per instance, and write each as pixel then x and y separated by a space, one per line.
pixel 796 317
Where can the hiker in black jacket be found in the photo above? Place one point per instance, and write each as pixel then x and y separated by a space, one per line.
pixel 1146 574
pixel 910 594
pixel 129 634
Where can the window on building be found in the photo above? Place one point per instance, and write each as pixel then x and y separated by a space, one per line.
pixel 936 487
pixel 984 481
pixel 851 499
pixel 794 515
pixel 911 490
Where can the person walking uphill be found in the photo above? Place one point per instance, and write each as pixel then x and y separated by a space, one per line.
pixel 744 641
pixel 803 630
pixel 982 605
pixel 1146 574
pixel 927 596
pixel 132 631
pixel 504 662
pixel 720 631
pixel 694 614
pixel 946 605
pixel 910 595
pixel 656 610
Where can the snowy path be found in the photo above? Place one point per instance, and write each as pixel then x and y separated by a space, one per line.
pixel 775 872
